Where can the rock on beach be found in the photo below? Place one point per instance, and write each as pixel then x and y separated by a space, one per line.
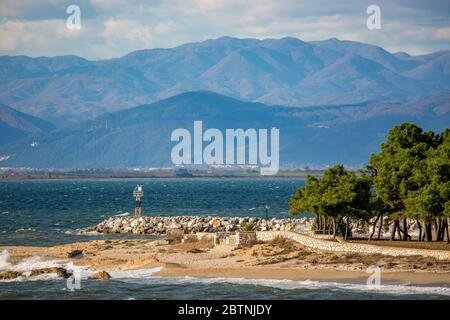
pixel 194 224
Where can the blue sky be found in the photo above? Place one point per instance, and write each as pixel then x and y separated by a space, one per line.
pixel 112 28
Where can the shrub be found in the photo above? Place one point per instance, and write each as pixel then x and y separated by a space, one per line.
pixel 247 226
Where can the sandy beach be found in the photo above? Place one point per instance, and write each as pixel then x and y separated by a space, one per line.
pixel 279 259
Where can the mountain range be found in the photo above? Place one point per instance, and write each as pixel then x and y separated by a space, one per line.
pixel 287 72
pixel 140 136
pixel 15 125
pixel 333 101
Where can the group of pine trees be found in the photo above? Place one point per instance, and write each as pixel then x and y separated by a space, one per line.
pixel 407 182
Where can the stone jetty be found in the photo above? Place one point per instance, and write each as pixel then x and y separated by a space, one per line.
pixel 194 224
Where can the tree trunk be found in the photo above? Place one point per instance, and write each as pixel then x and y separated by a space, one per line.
pixel 346 228
pixel 338 222
pixel 446 227
pixel 420 230
pixel 405 230
pixel 394 230
pixel 381 227
pixel 399 230
pixel 428 232
pixel 374 227
pixel 443 229
pixel 334 227
pixel 435 229
pixel 438 228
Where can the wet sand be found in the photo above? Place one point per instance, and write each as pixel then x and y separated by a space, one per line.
pixel 356 277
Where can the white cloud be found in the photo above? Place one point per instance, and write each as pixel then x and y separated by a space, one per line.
pixel 118 33
pixel 165 27
pixel 112 28
pixel 443 34
pixel 108 3
pixel 19 35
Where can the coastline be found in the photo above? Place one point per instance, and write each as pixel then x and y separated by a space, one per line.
pixel 267 261
pixel 302 178
pixel 433 279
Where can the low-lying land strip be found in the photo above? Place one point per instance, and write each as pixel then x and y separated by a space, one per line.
pixel 278 258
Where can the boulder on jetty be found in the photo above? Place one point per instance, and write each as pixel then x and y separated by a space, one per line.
pixel 194 224
pixel 102 275
pixel 75 254
pixel 9 275
pixel 61 272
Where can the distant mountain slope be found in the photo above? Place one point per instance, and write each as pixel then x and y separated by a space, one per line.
pixel 15 125
pixel 284 71
pixel 140 136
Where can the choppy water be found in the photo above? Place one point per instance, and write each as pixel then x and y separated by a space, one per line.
pixel 153 287
pixel 44 213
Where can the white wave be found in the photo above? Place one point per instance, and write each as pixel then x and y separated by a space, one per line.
pixel 25 230
pixel 302 284
pixel 134 274
pixel 147 276
pixel 37 262
pixel 83 232
pixel 5 260
pixel 76 232
pixel 122 214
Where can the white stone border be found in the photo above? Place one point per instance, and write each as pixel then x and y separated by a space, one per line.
pixel 350 247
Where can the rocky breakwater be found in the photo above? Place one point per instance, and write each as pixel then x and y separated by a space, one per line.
pixel 194 224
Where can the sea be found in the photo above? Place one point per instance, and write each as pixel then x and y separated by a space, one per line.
pixel 52 212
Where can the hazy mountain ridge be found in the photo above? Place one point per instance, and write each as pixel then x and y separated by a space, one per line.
pixel 15 125
pixel 284 71
pixel 140 136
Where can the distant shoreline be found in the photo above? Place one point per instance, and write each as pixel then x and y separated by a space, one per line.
pixel 155 178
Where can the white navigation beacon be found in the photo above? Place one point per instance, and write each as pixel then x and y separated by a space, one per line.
pixel 138 193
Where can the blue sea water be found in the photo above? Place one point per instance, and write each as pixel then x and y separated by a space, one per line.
pixel 45 213
pixel 49 212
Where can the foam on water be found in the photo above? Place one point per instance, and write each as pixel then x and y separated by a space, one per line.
pixel 147 276
pixel 5 260
pixel 37 262
pixel 122 214
pixel 134 274
pixel 25 230
pixel 303 284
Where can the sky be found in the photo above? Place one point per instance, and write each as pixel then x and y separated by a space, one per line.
pixel 113 28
